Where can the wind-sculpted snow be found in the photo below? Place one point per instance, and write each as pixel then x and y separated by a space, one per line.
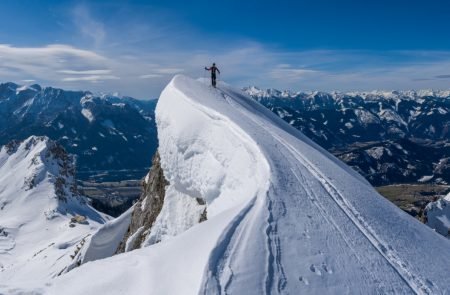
pixel 205 157
pixel 283 215
pixel 106 239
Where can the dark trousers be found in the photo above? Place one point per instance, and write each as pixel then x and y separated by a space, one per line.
pixel 213 80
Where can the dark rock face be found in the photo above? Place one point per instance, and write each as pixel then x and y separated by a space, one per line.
pixel 11 147
pixel 400 161
pixel 147 209
pixel 65 178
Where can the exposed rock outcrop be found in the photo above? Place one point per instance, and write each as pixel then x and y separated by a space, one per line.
pixel 65 178
pixel 147 209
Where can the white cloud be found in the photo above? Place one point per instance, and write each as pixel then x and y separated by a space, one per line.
pixel 92 78
pixel 249 63
pixel 46 64
pixel 88 25
pixel 85 72
pixel 53 51
pixel 150 76
pixel 160 72
pixel 169 71
pixel 291 74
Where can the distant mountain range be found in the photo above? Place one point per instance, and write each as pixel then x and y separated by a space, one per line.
pixel 113 137
pixel 389 137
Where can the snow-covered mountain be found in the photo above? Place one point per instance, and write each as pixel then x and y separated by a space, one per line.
pixel 113 137
pixel 389 137
pixel 252 206
pixel 438 215
pixel 43 219
pixel 337 95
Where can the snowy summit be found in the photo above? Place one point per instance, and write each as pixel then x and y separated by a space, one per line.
pixel 252 206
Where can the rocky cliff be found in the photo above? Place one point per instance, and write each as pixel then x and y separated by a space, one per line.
pixel 147 208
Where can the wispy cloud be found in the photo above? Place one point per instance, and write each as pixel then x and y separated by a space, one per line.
pixel 86 72
pixel 150 76
pixel 169 71
pixel 46 63
pixel 88 26
pixel 442 76
pixel 146 73
pixel 53 51
pixel 292 74
pixel 93 78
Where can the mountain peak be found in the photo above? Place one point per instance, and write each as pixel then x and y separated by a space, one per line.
pixel 46 161
pixel 42 214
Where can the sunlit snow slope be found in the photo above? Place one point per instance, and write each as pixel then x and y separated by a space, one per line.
pixel 38 198
pixel 284 216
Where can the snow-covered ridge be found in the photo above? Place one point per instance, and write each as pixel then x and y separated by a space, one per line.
pixel 195 158
pixel 43 219
pixel 284 216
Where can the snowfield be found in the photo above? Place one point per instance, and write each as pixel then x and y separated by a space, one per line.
pixel 284 216
pixel 37 202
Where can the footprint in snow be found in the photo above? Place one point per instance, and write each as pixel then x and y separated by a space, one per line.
pixel 327 269
pixel 315 270
pixel 303 280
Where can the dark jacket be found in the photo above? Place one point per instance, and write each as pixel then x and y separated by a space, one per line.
pixel 213 70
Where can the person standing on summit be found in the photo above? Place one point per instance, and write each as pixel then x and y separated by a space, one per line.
pixel 213 70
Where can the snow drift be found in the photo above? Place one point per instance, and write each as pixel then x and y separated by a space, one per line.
pixel 283 215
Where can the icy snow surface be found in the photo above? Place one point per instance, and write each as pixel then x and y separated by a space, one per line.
pixel 284 216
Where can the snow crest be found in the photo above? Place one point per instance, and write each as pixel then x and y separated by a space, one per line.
pixel 205 157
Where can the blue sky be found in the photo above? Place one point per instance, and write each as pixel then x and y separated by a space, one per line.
pixel 135 47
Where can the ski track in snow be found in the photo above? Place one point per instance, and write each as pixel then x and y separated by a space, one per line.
pixel 223 252
pixel 416 284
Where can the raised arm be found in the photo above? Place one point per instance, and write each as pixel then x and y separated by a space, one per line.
pixel 208 69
